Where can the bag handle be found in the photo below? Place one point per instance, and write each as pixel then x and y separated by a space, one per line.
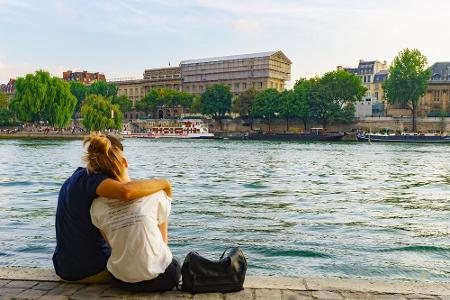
pixel 225 252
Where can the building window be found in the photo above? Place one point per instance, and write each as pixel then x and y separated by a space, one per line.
pixel 244 85
pixel 436 76
pixel 236 86
pixel 125 91
pixel 376 95
pixel 436 96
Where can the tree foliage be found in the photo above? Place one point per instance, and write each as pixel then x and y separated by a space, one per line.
pixel 196 106
pixel 124 103
pixel 305 90
pixel 216 101
pixel 158 98
pixel 102 88
pixel 41 97
pixel 99 114
pixel 267 105
pixel 61 103
pixel 150 103
pixel 80 91
pixel 6 117
pixel 4 103
pixel 407 80
pixel 335 96
pixel 243 104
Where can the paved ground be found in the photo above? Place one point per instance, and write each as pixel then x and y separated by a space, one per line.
pixel 28 283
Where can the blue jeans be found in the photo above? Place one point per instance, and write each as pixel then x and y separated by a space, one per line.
pixel 164 282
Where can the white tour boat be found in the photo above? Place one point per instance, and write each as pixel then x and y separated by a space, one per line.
pixel 184 129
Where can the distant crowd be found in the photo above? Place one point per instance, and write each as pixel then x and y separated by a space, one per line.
pixel 42 129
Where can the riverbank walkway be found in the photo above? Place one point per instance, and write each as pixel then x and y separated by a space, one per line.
pixel 43 284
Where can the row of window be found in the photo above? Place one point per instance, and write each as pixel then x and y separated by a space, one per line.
pixel 438 77
pixel 366 79
pixel 436 95
pixel 141 91
pixel 238 86
pixel 164 76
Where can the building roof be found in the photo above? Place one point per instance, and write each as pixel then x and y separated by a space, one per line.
pixel 351 70
pixel 381 76
pixel 440 71
pixel 232 57
pixel 176 68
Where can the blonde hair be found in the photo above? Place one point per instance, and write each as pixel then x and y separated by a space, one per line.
pixel 104 155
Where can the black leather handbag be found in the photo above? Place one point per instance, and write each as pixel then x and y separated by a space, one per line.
pixel 201 275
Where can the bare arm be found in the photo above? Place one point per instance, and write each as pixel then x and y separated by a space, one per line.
pixel 110 188
pixel 163 228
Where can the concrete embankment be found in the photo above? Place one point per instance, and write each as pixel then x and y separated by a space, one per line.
pixel 41 136
pixel 31 283
pixel 369 124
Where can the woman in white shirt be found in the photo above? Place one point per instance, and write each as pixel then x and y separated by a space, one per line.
pixel 136 231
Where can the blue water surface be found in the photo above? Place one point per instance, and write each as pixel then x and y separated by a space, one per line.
pixel 297 209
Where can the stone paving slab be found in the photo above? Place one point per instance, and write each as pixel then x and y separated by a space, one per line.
pixel 43 284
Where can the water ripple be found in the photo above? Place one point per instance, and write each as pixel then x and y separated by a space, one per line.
pixel 296 209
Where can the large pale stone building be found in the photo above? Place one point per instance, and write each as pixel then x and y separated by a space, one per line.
pixel 240 72
pixel 373 74
pixel 135 90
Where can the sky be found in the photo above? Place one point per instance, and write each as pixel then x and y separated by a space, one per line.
pixel 121 38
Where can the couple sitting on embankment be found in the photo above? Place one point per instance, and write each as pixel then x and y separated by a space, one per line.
pixel 109 228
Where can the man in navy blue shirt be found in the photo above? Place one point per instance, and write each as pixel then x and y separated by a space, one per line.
pixel 81 252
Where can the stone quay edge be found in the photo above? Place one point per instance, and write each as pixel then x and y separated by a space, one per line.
pixel 35 283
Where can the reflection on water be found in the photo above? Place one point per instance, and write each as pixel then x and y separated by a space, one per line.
pixel 297 209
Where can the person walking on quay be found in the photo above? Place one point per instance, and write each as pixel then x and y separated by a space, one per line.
pixel 81 252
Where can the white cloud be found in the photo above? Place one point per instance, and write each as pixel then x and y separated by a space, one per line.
pixel 247 25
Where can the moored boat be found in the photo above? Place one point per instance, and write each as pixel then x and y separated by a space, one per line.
pixel 403 138
pixel 316 134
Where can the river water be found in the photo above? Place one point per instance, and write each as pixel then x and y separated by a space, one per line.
pixel 297 209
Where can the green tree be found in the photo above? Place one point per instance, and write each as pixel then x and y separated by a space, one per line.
pixel 216 102
pixel 103 88
pixel 304 91
pixel 31 96
pixel 80 91
pixel 150 103
pixel 4 103
pixel 289 106
pixel 6 117
pixel 171 98
pixel 243 104
pixel 124 103
pixel 335 97
pixel 408 80
pixel 196 106
pixel 267 105
pixel 99 114
pixel 41 97
pixel 60 103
